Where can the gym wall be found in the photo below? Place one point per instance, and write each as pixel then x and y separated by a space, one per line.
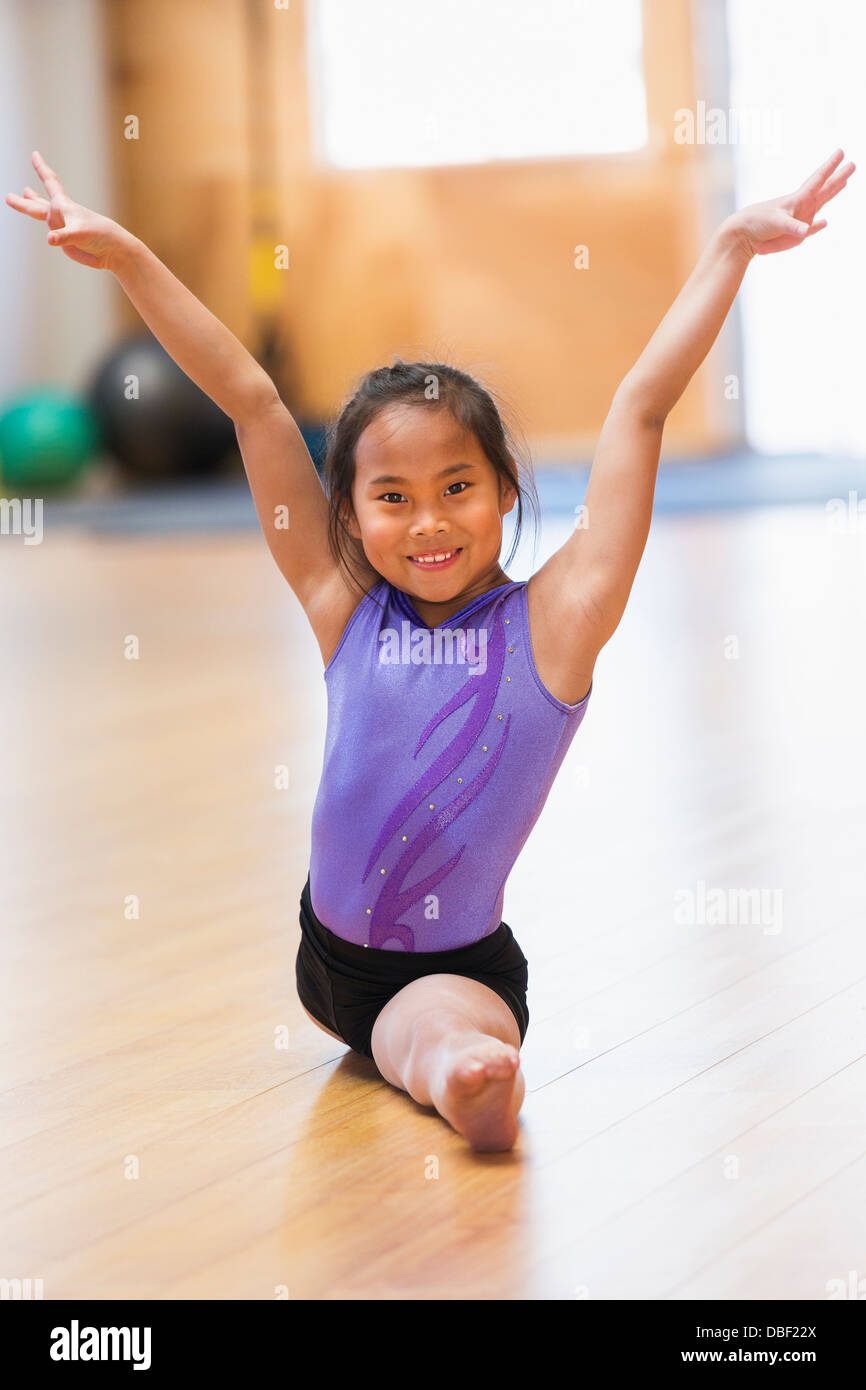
pixel 471 262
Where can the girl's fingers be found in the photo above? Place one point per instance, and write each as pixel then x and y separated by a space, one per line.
pixel 793 226
pixel 62 236
pixel 53 186
pixel 836 184
pixel 816 227
pixel 813 183
pixel 33 207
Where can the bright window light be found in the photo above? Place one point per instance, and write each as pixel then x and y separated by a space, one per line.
pixel 802 310
pixel 409 83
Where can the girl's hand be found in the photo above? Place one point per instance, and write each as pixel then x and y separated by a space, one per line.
pixel 84 236
pixel 781 223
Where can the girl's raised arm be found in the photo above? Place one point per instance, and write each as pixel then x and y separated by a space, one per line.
pixel 289 498
pixel 578 597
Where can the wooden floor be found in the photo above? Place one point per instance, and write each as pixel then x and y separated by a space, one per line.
pixel 173 1127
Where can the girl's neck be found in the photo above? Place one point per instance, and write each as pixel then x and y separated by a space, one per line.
pixel 434 614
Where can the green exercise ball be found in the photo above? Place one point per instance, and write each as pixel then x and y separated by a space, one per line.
pixel 47 438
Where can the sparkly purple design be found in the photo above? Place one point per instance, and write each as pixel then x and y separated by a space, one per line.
pixel 393 900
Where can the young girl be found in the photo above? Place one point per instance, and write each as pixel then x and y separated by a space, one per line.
pixel 453 692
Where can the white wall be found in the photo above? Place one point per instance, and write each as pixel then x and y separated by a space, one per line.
pixel 57 317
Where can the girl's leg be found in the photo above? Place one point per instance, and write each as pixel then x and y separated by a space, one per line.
pixel 453 1043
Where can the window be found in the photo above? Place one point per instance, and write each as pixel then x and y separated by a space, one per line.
pixel 803 65
pixel 411 83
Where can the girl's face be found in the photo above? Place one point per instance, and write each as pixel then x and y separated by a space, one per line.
pixel 424 488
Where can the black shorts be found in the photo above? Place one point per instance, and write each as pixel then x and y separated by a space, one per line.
pixel 345 986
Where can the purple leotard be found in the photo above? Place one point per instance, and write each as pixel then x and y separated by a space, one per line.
pixel 434 771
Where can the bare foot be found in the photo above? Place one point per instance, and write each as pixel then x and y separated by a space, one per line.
pixel 479 1090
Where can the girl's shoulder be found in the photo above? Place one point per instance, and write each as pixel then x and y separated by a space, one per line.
pixel 375 600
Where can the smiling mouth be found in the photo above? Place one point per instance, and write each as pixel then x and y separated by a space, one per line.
pixel 435 559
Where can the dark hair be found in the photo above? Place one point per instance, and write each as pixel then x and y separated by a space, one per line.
pixel 432 386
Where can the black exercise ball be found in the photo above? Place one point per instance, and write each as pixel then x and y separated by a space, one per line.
pixel 154 420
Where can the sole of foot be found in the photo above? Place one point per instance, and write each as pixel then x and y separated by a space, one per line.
pixel 480 1093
